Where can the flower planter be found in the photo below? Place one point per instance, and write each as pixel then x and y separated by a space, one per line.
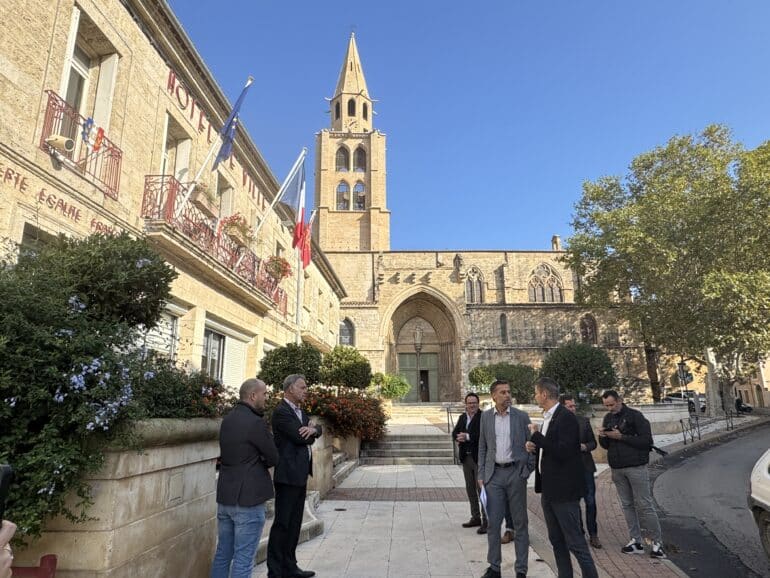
pixel 204 203
pixel 237 235
pixel 154 512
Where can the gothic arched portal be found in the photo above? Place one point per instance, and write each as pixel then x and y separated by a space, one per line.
pixel 423 346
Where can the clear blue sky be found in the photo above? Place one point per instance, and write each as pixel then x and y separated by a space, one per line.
pixel 496 112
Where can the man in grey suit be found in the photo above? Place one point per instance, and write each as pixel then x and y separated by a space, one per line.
pixel 504 466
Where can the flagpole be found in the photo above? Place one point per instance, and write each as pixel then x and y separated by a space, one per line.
pixel 277 198
pixel 189 193
pixel 300 280
pixel 282 190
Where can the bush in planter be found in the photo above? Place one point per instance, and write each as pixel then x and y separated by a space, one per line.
pixel 291 358
pixel 70 373
pixel 345 367
pixel 521 378
pixel 390 386
pixel 348 412
pixel 480 377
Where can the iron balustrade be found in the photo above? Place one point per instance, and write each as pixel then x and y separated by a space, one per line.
pixel 102 165
pixel 690 428
pixel 163 196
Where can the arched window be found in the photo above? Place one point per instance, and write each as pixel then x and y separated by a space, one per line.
pixel 474 286
pixel 359 196
pixel 347 333
pixel 545 285
pixel 343 196
pixel 343 160
pixel 366 111
pixel 588 330
pixel 337 110
pixel 359 160
pixel 503 328
pixel 351 107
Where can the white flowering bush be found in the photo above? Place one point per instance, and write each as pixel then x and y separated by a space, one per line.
pixel 70 372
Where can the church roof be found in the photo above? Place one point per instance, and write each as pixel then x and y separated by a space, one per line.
pixel 352 79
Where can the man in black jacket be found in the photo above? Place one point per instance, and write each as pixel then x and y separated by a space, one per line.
pixel 294 434
pixel 627 437
pixel 247 451
pixel 466 434
pixel 587 445
pixel 560 480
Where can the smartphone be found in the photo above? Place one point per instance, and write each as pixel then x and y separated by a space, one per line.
pixel 608 429
pixel 6 477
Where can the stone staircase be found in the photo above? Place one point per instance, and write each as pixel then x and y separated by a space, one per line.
pixel 409 449
pixel 343 465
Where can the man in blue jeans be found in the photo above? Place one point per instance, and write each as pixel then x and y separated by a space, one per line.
pixel 247 451
pixel 587 445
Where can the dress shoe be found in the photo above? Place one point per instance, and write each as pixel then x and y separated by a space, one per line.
pixel 472 523
pixel 491 573
pixel 303 574
pixel 594 541
pixel 482 529
pixel 507 537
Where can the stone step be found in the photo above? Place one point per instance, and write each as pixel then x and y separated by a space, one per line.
pixel 343 470
pixel 394 461
pixel 408 452
pixel 410 444
pixel 338 458
pixel 312 526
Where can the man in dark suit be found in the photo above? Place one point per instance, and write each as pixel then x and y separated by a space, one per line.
pixel 294 434
pixel 587 445
pixel 560 480
pixel 466 434
pixel 244 485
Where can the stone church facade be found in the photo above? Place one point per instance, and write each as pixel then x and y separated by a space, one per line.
pixel 435 315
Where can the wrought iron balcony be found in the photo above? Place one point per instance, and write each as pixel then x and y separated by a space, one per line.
pixel 163 197
pixel 100 160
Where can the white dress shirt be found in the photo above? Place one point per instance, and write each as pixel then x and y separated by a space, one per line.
pixel 503 450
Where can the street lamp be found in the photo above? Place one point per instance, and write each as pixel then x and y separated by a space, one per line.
pixel 417 348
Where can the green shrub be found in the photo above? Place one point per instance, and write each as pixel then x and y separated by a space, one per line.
pixel 289 359
pixel 346 367
pixel 579 368
pixel 70 373
pixel 390 386
pixel 480 377
pixel 521 377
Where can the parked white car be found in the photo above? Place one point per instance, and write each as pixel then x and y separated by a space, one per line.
pixel 759 498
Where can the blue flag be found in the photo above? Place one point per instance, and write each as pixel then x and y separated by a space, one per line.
pixel 229 128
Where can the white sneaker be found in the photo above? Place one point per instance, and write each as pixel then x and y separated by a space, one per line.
pixel 657 551
pixel 633 547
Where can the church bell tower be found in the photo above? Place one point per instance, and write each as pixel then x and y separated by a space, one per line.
pixel 350 168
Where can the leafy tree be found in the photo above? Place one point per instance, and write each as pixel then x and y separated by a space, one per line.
pixel 680 248
pixel 345 367
pixel 391 386
pixel 291 358
pixel 480 377
pixel 520 377
pixel 580 368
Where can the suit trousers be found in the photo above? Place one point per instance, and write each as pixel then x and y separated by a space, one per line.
pixel 507 486
pixel 471 471
pixel 563 522
pixel 284 534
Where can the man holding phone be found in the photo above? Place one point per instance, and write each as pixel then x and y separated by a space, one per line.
pixel 627 437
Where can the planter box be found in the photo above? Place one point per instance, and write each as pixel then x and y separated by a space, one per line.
pixel 323 462
pixel 238 237
pixel 204 204
pixel 350 446
pixel 154 512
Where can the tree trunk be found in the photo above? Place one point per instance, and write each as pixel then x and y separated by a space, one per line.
pixel 714 402
pixel 651 360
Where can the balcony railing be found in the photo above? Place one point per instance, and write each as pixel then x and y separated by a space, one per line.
pixel 102 165
pixel 163 196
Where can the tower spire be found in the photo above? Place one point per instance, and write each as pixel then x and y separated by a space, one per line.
pixel 351 80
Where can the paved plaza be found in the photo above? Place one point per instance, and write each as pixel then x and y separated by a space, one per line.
pixel 404 521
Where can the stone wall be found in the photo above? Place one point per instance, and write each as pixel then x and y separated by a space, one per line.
pixel 154 512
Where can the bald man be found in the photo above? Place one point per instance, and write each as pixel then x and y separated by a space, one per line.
pixel 247 450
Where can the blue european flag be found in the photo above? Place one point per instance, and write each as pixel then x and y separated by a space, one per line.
pixel 229 128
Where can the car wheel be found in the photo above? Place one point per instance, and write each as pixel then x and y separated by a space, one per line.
pixel 763 523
